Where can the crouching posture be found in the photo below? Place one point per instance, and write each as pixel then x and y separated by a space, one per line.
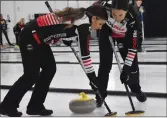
pixel 36 53
pixel 122 26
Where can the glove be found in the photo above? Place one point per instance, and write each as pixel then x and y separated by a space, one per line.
pixel 124 76
pixel 67 43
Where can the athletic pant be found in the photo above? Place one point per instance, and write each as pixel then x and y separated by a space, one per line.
pixel 6 36
pixel 17 38
pixel 106 60
pixel 34 57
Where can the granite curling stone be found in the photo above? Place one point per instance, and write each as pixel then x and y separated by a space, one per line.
pixel 82 105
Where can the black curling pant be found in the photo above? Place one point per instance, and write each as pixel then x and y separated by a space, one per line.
pixel 17 38
pixel 106 59
pixel 34 57
pixel 6 36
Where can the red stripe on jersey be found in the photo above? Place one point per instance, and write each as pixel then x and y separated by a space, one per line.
pixel 36 38
pixel 134 43
pixel 117 35
pixel 129 56
pixel 53 19
pixel 46 20
pixel 50 19
pixel 87 64
pixel 86 61
pixel 57 21
pixel 132 54
pixel 39 22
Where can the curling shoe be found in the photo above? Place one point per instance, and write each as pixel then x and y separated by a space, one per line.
pixel 11 112
pixel 99 103
pixel 141 97
pixel 41 111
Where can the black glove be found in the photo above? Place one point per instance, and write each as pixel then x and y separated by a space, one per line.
pixel 67 43
pixel 124 76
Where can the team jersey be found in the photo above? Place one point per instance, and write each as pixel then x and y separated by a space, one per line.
pixel 3 26
pixel 49 27
pixel 125 30
pixel 17 28
pixel 83 31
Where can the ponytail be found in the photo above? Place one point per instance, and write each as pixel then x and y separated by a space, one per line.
pixel 70 13
pixel 73 14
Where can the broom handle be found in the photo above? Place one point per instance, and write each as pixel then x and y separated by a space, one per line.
pixel 120 69
pixel 77 56
pixel 48 6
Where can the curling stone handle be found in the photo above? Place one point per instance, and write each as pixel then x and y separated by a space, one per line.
pixel 83 95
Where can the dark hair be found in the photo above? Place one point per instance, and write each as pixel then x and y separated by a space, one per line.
pixel 73 14
pixel 120 4
pixel 70 13
pixel 97 10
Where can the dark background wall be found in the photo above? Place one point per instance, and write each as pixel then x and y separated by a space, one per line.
pixel 155 18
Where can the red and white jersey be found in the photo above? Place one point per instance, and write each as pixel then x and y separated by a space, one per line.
pixel 118 29
pixel 48 19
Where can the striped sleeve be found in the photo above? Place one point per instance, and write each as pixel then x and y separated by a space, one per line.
pixel 130 57
pixel 84 44
pixel 83 32
pixel 87 62
pixel 48 19
pixel 132 52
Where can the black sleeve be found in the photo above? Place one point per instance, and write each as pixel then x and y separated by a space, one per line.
pixel 15 28
pixel 84 45
pixel 132 37
pixel 136 14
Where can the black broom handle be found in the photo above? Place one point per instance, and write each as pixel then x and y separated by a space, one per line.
pixel 120 69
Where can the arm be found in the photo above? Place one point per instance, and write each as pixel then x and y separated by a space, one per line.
pixel 84 43
pixel 130 59
pixel 132 51
pixel 131 38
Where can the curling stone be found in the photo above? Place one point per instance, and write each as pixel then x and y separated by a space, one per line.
pixel 82 105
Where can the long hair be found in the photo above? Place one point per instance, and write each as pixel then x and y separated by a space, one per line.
pixel 73 14
pixel 70 13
